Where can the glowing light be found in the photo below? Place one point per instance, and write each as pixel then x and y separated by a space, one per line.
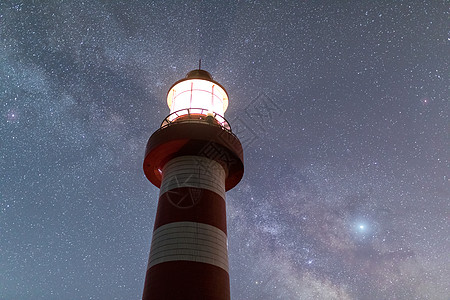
pixel 197 93
pixel 362 228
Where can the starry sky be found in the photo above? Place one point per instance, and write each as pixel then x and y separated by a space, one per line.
pixel 342 108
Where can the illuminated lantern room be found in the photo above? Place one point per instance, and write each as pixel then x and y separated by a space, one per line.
pixel 197 97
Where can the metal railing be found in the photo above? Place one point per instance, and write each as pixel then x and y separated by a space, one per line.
pixel 196 115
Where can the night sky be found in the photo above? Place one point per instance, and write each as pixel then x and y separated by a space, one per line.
pixel 342 108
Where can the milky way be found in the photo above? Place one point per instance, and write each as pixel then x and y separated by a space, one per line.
pixel 343 111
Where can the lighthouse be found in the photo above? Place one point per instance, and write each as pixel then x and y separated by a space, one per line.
pixel 193 158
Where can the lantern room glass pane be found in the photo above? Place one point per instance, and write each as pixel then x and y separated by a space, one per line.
pixel 197 93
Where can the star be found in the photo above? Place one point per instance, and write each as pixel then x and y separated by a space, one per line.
pixel 12 116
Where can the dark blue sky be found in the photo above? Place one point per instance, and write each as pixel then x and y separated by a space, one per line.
pixel 343 110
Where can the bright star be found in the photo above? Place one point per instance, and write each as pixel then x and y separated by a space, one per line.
pixel 11 116
pixel 425 101
pixel 361 227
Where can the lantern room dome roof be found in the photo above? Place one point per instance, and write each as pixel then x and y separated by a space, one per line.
pixel 199 74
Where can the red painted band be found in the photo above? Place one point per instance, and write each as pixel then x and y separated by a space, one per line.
pixel 193 205
pixel 181 280
pixel 194 139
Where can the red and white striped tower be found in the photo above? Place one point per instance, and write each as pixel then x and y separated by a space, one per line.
pixel 194 158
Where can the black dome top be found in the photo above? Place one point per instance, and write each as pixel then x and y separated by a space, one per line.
pixel 199 74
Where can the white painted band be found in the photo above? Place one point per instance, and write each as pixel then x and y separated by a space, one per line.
pixel 189 241
pixel 193 171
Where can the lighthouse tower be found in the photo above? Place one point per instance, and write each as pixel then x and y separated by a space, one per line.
pixel 193 158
